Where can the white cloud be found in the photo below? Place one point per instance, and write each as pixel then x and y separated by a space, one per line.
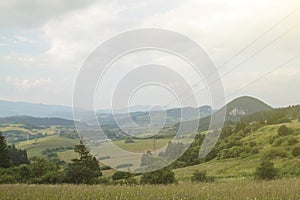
pixel 31 13
pixel 28 84
pixel 72 29
pixel 20 38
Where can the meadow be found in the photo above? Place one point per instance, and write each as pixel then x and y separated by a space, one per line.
pixel 229 189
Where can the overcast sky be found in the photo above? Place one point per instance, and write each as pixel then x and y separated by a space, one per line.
pixel 43 45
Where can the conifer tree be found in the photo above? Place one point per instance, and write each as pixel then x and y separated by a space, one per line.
pixel 5 161
pixel 85 169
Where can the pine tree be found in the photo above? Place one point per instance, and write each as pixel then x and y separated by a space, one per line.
pixel 5 161
pixel 85 169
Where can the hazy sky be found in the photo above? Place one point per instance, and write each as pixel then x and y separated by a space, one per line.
pixel 43 45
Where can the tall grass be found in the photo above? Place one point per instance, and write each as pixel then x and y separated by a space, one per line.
pixel 237 189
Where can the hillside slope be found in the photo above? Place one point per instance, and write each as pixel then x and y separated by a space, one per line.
pixel 267 145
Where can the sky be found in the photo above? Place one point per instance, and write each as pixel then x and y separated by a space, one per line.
pixel 44 44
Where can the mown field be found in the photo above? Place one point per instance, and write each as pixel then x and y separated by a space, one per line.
pixel 234 189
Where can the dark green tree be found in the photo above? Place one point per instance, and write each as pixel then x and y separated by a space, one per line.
pixel 5 161
pixel 18 156
pixel 120 175
pixel 266 170
pixel 296 151
pixel 84 170
pixel 283 131
pixel 201 176
pixel 161 176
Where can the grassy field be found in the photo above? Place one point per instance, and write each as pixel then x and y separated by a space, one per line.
pixel 36 146
pixel 142 145
pixel 237 189
pixel 21 127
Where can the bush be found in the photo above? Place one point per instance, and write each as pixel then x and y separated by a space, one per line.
pixel 120 175
pixel 266 171
pixel 7 179
pixel 161 176
pixel 105 167
pixel 178 164
pixel 296 151
pixel 275 153
pixel 283 131
pixel 201 176
pixel 103 180
pixel 278 142
pixel 130 181
pixel 129 141
pixel 124 165
pixel 292 141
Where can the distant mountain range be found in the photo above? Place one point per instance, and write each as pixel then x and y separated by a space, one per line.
pixel 52 113
pixel 8 109
pixel 36 121
pixel 169 116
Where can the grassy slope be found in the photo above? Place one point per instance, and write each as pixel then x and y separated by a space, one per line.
pixel 245 167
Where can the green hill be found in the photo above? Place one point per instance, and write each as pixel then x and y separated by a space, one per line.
pixel 266 135
pixel 244 106
pixel 35 147
pixel 36 121
pixel 234 110
pixel 265 143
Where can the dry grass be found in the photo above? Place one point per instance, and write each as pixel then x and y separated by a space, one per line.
pixel 237 189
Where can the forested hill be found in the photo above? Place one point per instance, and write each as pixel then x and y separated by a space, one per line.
pixel 236 109
pixel 36 121
pixel 275 116
pixel 8 109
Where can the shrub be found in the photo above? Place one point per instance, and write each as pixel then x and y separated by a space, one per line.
pixel 161 176
pixel 129 141
pixel 178 164
pixel 275 153
pixel 296 151
pixel 292 141
pixel 278 142
pixel 105 167
pixel 124 165
pixel 254 150
pixel 120 175
pixel 266 171
pixel 6 178
pixel 252 144
pixel 201 176
pixel 283 131
pixel 130 181
pixel 104 181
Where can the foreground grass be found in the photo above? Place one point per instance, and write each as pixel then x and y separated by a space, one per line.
pixel 237 189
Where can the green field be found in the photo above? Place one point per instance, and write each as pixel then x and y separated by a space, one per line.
pixel 142 145
pixel 23 128
pixel 237 189
pixel 36 146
